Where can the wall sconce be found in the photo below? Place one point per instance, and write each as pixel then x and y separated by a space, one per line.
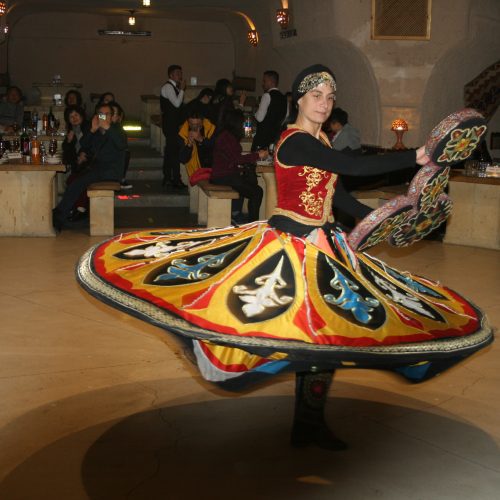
pixel 3 8
pixel 6 29
pixel 399 127
pixel 253 37
pixel 146 3
pixel 282 18
pixel 131 19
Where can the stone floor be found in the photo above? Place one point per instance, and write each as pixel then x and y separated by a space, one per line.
pixel 99 405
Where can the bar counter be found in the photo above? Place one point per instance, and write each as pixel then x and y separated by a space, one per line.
pixel 475 217
pixel 27 196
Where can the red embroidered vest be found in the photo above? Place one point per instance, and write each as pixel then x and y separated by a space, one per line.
pixel 304 193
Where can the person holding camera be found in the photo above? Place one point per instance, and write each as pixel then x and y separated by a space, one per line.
pixel 196 137
pixel 105 146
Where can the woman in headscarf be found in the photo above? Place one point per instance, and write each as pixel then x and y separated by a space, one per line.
pixel 291 294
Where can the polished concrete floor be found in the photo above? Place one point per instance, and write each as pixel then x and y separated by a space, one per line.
pixel 96 404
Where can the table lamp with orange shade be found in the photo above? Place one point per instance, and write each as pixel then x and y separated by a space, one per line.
pixel 399 126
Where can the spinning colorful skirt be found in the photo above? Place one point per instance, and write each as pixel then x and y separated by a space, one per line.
pixel 253 301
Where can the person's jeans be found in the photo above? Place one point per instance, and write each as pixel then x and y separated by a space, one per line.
pixel 246 189
pixel 77 187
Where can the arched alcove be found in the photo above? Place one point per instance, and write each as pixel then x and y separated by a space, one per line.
pixel 444 92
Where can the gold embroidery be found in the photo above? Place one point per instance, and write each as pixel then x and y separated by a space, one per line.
pixel 312 203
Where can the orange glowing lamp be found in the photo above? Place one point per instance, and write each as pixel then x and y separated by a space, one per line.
pixel 253 37
pixel 399 126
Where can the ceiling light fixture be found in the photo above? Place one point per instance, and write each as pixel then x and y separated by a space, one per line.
pixel 131 19
pixel 3 8
pixel 123 33
pixel 146 3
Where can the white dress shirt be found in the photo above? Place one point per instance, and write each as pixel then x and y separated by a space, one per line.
pixel 260 114
pixel 168 92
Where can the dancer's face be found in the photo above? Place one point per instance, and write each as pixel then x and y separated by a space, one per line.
pixel 316 105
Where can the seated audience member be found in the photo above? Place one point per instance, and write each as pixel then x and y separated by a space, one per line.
pixel 11 110
pixel 107 145
pixel 105 98
pixel 201 104
pixel 346 136
pixel 228 157
pixel 118 116
pixel 77 126
pixel 74 156
pixel 73 98
pixel 223 100
pixel 196 137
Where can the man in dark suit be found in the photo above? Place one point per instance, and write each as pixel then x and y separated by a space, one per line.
pixel 171 98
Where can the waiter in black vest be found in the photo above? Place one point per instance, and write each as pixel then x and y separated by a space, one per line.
pixel 271 112
pixel 171 97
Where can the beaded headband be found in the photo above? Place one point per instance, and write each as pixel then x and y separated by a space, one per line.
pixel 314 79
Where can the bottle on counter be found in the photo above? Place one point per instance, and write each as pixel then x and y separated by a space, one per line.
pixel 26 119
pixel 34 120
pixel 51 119
pixel 45 122
pixel 43 152
pixel 35 150
pixel 247 125
pixel 25 143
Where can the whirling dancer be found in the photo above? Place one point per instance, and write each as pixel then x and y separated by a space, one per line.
pixel 291 294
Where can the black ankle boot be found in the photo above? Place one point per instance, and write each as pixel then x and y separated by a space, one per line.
pixel 309 426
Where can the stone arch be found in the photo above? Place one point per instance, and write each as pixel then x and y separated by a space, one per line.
pixel 444 92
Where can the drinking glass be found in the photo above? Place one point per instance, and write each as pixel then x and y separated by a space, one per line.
pixel 471 167
pixel 52 147
pixel 16 144
pixel 481 168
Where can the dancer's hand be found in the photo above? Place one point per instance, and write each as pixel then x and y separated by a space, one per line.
pixel 422 158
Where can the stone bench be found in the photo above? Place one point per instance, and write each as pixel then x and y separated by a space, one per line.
pixel 102 207
pixel 214 204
